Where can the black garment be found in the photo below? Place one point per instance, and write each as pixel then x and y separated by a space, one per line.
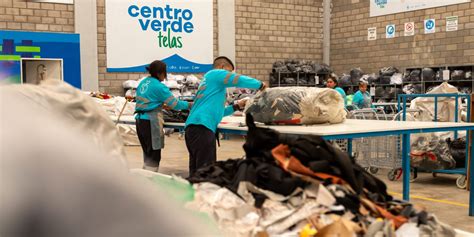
pixel 151 157
pixel 258 171
pixel 201 144
pixel 317 154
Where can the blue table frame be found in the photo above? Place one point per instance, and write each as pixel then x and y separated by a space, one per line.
pixel 405 133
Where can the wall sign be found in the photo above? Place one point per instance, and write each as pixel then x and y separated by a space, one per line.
pixel 409 29
pixel 451 23
pixel 430 26
pixel 178 32
pixel 372 33
pixel 386 7
pixel 390 31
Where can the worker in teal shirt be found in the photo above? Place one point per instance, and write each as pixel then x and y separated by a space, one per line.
pixel 332 83
pixel 152 95
pixel 209 108
pixel 362 97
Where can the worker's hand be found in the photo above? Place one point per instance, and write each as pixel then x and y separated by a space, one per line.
pixel 263 87
pixel 166 107
pixel 190 105
pixel 242 103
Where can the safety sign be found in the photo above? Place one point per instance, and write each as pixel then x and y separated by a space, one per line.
pixel 409 29
pixel 430 26
pixel 372 33
pixel 390 31
pixel 451 23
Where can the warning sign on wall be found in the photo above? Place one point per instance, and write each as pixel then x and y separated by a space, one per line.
pixel 451 23
pixel 372 33
pixel 409 29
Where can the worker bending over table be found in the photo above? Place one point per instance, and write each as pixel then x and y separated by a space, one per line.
pixel 209 108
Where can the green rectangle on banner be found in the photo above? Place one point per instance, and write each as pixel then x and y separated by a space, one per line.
pixel 10 57
pixel 28 49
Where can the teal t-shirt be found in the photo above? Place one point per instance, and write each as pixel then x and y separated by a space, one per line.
pixel 209 105
pixel 151 94
pixel 362 100
pixel 343 94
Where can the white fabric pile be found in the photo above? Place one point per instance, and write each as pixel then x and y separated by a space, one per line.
pixel 73 105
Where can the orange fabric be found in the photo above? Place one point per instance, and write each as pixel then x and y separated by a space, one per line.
pixel 290 163
pixel 397 220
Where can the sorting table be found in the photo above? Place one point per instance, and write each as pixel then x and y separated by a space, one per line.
pixel 351 129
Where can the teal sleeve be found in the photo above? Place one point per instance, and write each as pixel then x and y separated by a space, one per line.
pixel 167 98
pixel 358 100
pixel 229 110
pixel 242 81
pixel 231 79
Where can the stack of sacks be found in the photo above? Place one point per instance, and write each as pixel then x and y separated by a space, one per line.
pixel 302 185
pixel 297 105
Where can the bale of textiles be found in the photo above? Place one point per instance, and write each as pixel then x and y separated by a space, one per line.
pixel 297 105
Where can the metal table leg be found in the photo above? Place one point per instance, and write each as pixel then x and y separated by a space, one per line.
pixel 471 179
pixel 406 166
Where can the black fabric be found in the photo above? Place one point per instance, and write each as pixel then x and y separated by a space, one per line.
pixel 309 149
pixel 428 74
pixel 457 148
pixel 276 104
pixel 151 157
pixel 356 74
pixel 458 75
pixel 230 173
pixel 175 116
pixel 201 144
pixel 388 71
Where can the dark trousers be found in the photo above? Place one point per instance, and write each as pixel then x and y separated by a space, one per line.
pixel 201 144
pixel 151 157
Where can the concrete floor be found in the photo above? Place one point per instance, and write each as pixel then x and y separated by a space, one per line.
pixel 439 195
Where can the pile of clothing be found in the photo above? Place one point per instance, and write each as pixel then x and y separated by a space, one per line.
pixel 180 85
pixel 301 66
pixel 302 185
pixel 431 152
pixel 297 72
pixel 297 105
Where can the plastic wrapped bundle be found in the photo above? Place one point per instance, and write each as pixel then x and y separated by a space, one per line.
pixel 302 80
pixel 428 74
pixel 322 68
pixel 356 74
pixel 388 71
pixel 457 147
pixel 468 75
pixel 280 66
pixel 458 75
pixel 297 105
pixel 175 116
pixel 344 81
pixel 385 80
pixel 415 76
pixel 379 92
pixel 372 79
pixel 396 79
pixel 289 80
